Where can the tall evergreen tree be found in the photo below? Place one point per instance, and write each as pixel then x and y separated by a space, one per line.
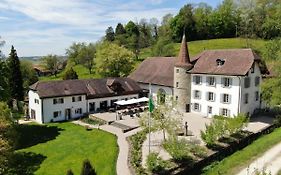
pixel 70 74
pixel 119 30
pixel 109 34
pixel 87 168
pixel 15 77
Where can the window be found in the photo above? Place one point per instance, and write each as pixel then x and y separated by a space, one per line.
pixel 177 84
pixel 220 62
pixel 177 70
pixel 36 101
pixel 196 107
pixel 210 96
pixel 197 79
pixel 58 100
pixel 211 81
pixel 246 100
pixel 253 68
pixel 57 114
pixel 197 94
pixel 177 98
pixel 210 109
pixel 226 82
pixel 257 95
pixel 78 98
pixel 224 112
pixel 247 82
pixel 257 81
pixel 225 98
pixel 78 111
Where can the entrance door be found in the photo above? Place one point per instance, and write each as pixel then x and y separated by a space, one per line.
pixel 187 107
pixel 33 114
pixel 92 107
pixel 103 105
pixel 67 114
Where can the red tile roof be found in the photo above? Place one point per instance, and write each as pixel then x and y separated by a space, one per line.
pixel 183 59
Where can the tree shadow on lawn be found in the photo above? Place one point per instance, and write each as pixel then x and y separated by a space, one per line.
pixel 25 163
pixel 29 135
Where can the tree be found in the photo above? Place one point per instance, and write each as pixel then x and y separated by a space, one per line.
pixel 164 118
pixel 73 51
pixel 69 172
pixel 28 74
pixel 86 56
pixel 87 168
pixel 109 34
pixel 4 83
pixel 119 30
pixel 272 50
pixel 163 47
pixel 52 63
pixel 7 137
pixel 15 76
pixel 201 16
pixel 184 22
pixel 70 74
pixel 113 60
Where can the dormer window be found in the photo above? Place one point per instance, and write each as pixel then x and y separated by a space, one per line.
pixel 220 62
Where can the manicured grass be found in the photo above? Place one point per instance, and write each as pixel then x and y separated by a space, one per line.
pixel 195 47
pixel 83 73
pixel 55 148
pixel 241 159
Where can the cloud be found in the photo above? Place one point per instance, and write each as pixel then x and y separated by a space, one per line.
pixel 58 23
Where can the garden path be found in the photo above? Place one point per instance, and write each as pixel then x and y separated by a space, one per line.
pixel 122 166
pixel 270 161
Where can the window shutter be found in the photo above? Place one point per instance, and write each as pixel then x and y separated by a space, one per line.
pixel 207 96
pixel 214 97
pixel 229 98
pixel 194 78
pixel 221 98
pixel 222 82
pixel 230 81
pixel 228 112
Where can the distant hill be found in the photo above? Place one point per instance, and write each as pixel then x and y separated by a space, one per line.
pixel 36 59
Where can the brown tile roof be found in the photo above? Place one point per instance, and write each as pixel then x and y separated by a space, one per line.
pixel 155 70
pixel 183 59
pixel 160 70
pixel 236 61
pixel 93 88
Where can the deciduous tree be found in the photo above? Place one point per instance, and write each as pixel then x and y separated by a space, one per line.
pixel 113 60
pixel 28 74
pixel 52 63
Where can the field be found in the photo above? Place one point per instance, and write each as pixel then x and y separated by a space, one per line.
pixel 195 47
pixel 240 159
pixel 55 148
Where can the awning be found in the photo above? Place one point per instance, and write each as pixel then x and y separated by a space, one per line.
pixel 131 101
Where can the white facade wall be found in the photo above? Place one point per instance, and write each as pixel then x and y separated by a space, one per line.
pixel 45 109
pixel 49 108
pixel 155 88
pixel 252 102
pixel 35 106
pixel 218 90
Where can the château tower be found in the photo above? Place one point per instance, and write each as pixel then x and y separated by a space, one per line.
pixel 182 78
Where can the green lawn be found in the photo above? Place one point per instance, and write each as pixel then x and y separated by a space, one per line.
pixel 241 159
pixel 55 148
pixel 83 73
pixel 195 47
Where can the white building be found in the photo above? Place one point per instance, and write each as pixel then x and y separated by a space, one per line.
pixel 68 99
pixel 215 82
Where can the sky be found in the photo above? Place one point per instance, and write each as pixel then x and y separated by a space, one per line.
pixel 41 27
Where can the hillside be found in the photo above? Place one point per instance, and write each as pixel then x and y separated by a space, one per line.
pixel 194 47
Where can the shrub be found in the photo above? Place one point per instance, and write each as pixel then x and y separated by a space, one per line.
pixel 69 172
pixel 136 142
pixel 70 74
pixel 87 168
pixel 155 164
pixel 223 127
pixel 277 120
pixel 178 149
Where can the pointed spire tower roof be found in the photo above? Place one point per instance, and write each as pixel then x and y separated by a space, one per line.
pixel 183 59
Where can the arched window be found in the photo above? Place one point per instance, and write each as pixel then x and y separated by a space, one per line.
pixel 161 96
